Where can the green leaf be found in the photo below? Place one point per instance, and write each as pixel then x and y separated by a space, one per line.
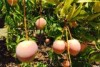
pixel 71 12
pixel 96 6
pixel 53 1
pixel 87 1
pixel 18 39
pixel 62 13
pixel 95 25
pixel 65 8
pixel 67 5
pixel 59 6
pixel 95 57
pixel 89 37
pixel 93 16
pixel 32 1
pixel 1 5
pixel 78 10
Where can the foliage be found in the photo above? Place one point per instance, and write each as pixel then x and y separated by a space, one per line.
pixel 39 64
pixel 57 13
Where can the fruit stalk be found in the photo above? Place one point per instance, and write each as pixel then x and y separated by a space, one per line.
pixel 25 24
pixel 69 32
pixel 69 58
pixel 66 28
pixel 40 12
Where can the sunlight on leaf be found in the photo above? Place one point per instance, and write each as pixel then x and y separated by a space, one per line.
pixel 88 0
pixel 65 8
pixel 71 12
pixel 96 6
pixel 53 1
